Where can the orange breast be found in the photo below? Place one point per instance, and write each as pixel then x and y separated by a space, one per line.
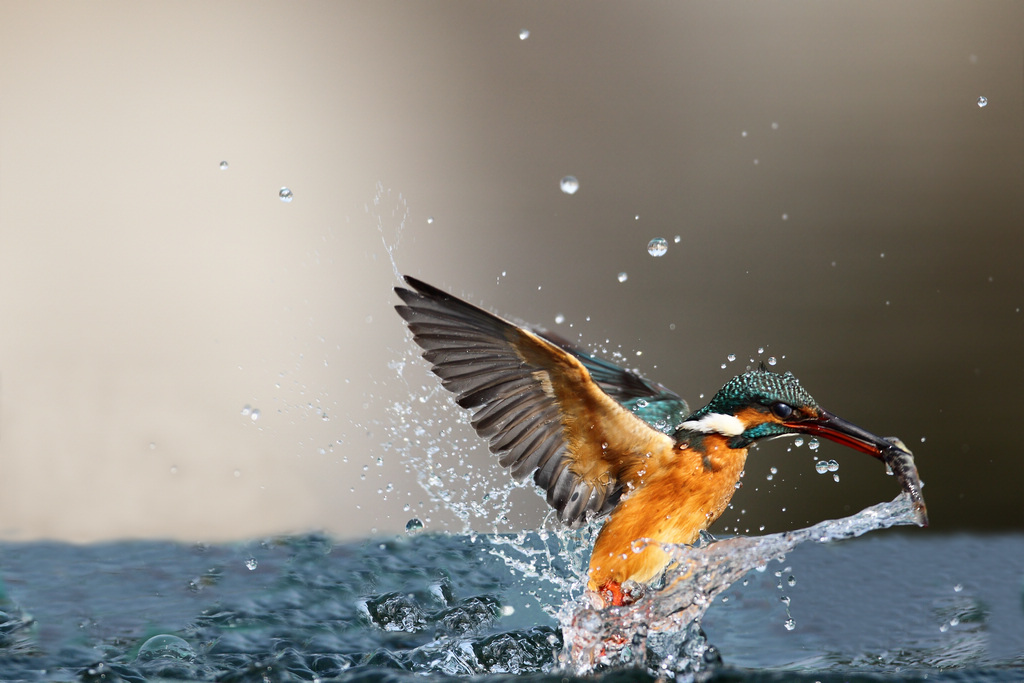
pixel 685 492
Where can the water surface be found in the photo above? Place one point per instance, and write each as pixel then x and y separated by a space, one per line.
pixel 898 604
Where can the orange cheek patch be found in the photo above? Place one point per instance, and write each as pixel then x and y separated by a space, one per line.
pixel 752 416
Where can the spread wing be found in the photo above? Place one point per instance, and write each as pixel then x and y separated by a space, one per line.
pixel 652 402
pixel 545 407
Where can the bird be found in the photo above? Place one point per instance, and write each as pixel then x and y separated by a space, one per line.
pixel 603 441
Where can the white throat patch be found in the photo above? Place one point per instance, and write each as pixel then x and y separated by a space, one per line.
pixel 716 423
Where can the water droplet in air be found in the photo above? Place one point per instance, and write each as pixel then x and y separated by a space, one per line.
pixel 982 101
pixel 798 441
pixel 744 134
pixel 790 624
pixel 813 444
pixel 785 216
pixel 771 360
pixel 677 239
pixel 731 357
pixel 833 466
pixel 524 34
pixel 957 588
pixel 623 277
pixel 657 247
pixel 775 126
pixel 821 467
pixel 569 184
pixel 430 219
pixel 251 564
pixel 285 194
pixel 835 478
pixel 246 409
pixel 791 581
pixel 223 165
pixel 559 319
pixel 413 525
pixel 255 414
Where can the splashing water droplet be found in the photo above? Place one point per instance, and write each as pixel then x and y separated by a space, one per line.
pixel 982 101
pixel 430 219
pixel 251 564
pixel 813 444
pixel 569 184
pixel 623 277
pixel 821 467
pixel 559 319
pixel 798 441
pixel 772 360
pixel 246 409
pixel 413 525
pixel 731 357
pixel 657 247
pixel 524 34
pixel 835 478
pixel 223 165
pixel 285 194
pixel 791 581
pixel 255 414
pixel 833 466
pixel 165 648
pixel 790 624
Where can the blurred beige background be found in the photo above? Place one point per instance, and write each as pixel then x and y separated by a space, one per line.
pixel 840 197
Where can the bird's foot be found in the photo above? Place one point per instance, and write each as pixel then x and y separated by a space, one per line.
pixel 615 594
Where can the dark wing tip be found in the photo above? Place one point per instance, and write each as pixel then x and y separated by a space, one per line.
pixel 423 288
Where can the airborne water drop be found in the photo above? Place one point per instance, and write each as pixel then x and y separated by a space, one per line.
pixel 657 247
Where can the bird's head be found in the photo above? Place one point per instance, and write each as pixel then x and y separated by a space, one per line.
pixel 761 404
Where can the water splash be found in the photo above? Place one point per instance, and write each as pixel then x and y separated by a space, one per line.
pixel 661 631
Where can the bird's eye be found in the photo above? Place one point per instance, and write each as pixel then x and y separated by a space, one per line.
pixel 782 410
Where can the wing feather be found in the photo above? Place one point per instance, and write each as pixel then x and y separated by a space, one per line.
pixel 545 407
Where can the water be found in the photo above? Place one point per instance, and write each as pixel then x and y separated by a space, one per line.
pixel 569 184
pixel 890 605
pixel 285 195
pixel 657 246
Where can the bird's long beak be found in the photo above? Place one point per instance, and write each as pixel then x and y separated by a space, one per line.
pixel 890 451
pixel 837 429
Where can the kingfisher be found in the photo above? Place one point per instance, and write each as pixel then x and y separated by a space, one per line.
pixel 603 441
